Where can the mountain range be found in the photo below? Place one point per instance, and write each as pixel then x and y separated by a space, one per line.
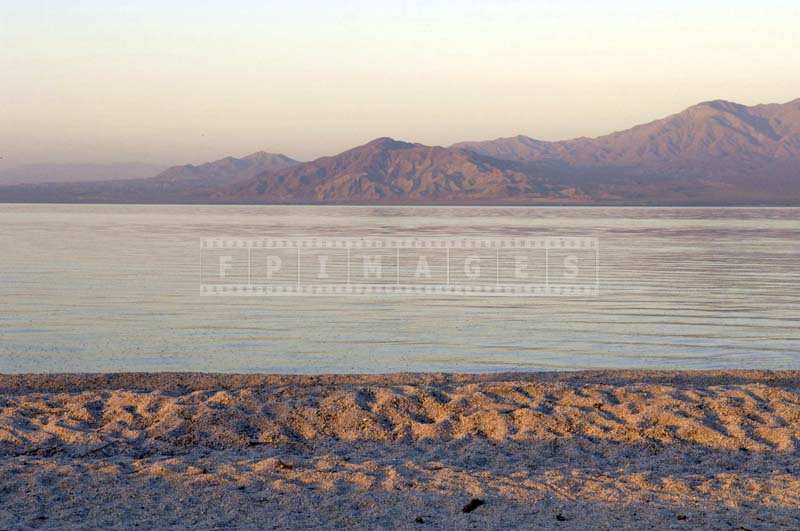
pixel 716 152
pixel 712 139
pixel 51 173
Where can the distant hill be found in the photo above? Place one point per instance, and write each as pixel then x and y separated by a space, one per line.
pixel 178 184
pixel 715 152
pixel 228 170
pixel 60 173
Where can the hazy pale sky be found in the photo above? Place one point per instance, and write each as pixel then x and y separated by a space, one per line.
pixel 189 81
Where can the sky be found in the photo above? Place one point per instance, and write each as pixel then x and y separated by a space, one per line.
pixel 172 82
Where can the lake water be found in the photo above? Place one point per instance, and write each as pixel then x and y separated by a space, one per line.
pixel 116 288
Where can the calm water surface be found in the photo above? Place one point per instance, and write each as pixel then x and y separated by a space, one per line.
pixel 116 288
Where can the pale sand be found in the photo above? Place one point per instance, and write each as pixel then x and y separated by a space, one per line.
pixel 589 449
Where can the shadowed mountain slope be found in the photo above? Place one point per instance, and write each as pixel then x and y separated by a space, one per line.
pixel 387 170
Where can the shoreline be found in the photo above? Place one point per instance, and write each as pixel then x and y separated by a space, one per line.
pixel 196 381
pixel 601 449
pixel 620 204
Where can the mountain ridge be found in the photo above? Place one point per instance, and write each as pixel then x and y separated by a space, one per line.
pixel 714 152
pixel 700 133
pixel 391 170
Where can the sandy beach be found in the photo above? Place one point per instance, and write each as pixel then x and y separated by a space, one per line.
pixel 602 450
